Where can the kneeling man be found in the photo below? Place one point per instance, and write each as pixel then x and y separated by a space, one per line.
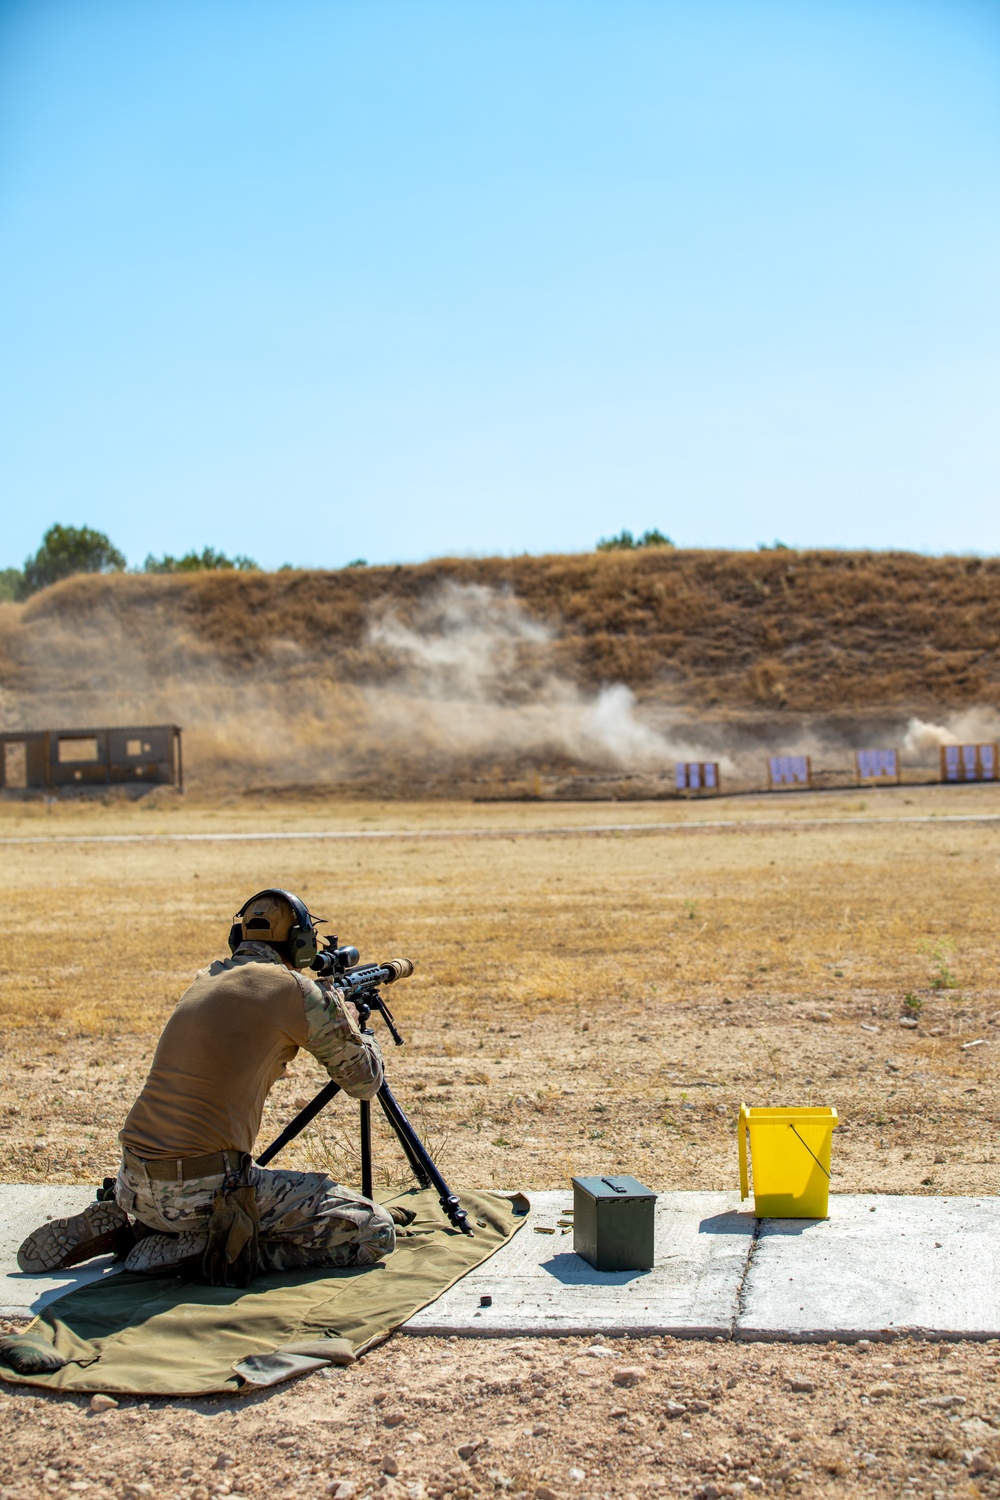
pixel 188 1194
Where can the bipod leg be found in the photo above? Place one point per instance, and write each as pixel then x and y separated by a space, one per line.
pixel 302 1119
pixel 366 1148
pixel 416 1151
pixel 416 1165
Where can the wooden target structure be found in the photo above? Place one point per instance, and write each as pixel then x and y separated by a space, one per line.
pixel 969 763
pixel 877 767
pixel 697 776
pixel 788 771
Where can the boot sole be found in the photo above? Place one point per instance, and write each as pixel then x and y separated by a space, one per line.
pixel 66 1242
pixel 164 1255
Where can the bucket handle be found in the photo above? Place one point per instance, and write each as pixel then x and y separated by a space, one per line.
pixel 810 1150
pixel 742 1127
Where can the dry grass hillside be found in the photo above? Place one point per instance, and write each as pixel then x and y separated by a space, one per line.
pixel 493 667
pixel 812 631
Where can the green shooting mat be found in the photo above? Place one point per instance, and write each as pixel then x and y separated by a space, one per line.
pixel 166 1336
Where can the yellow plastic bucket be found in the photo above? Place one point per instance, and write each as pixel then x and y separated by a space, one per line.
pixel 790 1151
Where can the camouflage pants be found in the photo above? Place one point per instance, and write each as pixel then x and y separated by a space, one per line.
pixel 306 1219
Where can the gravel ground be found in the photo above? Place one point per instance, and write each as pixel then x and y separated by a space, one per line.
pixel 541 1418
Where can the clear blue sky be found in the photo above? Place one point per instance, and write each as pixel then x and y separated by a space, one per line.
pixel 320 280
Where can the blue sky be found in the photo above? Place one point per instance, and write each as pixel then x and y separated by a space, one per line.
pixel 314 281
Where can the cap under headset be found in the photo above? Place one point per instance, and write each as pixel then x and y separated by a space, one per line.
pixel 275 916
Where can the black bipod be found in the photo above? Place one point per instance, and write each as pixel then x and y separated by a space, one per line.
pixel 420 1160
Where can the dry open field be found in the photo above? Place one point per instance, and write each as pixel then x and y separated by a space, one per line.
pixel 579 1002
pixel 582 1002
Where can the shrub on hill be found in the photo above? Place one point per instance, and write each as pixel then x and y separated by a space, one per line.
pixel 66 550
pixel 625 541
pixel 205 561
pixel 11 585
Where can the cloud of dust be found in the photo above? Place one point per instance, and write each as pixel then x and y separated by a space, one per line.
pixel 918 740
pixel 922 740
pixel 466 685
pixel 466 642
pixel 473 674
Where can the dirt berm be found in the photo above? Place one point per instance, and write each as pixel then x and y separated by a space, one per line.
pixel 493 668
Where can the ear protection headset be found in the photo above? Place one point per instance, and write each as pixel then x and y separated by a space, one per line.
pixel 302 942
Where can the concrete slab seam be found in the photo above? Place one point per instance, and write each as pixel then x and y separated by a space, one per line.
pixel 734 1332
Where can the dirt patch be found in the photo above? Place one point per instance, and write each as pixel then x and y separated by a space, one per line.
pixel 533 1417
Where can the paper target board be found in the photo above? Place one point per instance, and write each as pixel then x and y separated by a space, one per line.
pixel 876 766
pixel 969 763
pixel 697 775
pixel 785 771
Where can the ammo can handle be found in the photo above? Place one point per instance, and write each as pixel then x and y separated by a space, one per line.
pixel 742 1127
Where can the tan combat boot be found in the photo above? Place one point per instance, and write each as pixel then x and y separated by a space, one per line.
pixel 66 1242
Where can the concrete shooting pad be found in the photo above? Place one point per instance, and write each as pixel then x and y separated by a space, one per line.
pixel 880 1266
pixel 539 1286
pixel 537 1283
pixel 24 1207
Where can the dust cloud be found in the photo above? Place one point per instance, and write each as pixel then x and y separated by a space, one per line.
pixel 466 689
pixel 922 740
pixel 473 674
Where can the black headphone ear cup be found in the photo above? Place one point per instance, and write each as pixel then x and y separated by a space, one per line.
pixel 302 946
pixel 235 937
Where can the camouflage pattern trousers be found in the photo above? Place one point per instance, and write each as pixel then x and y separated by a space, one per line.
pixel 306 1219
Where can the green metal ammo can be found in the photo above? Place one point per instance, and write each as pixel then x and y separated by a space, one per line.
pixel 613 1223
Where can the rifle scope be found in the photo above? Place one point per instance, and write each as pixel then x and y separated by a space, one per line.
pixel 342 964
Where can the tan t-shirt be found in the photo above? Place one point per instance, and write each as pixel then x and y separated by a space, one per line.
pixel 231 1035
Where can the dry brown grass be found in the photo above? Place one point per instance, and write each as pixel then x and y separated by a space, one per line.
pixel 580 1003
